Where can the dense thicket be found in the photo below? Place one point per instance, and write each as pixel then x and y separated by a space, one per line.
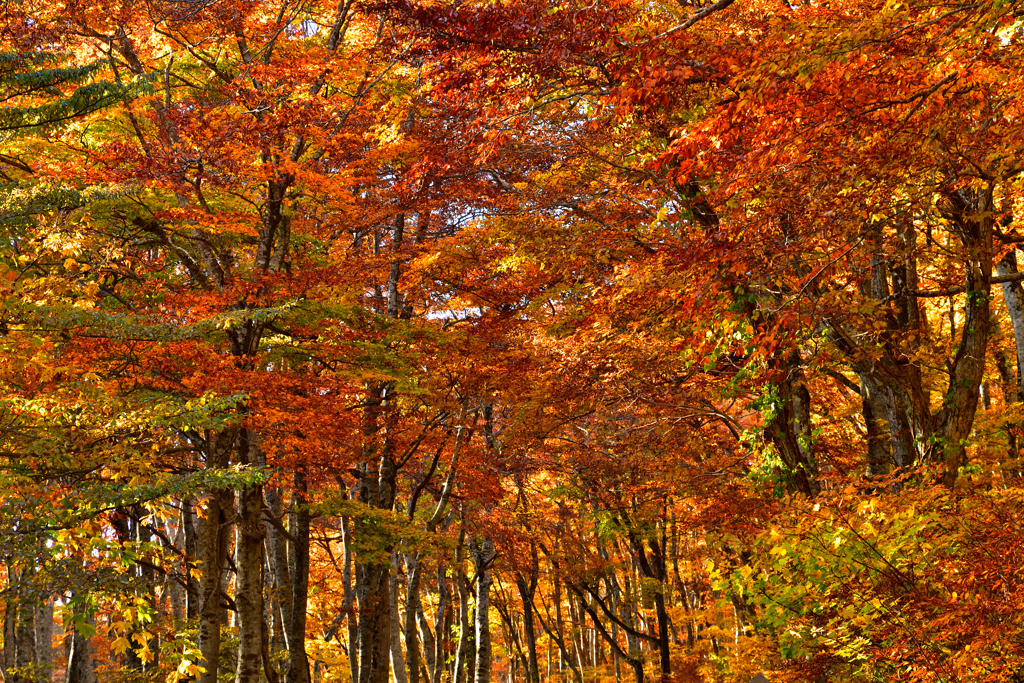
pixel 460 342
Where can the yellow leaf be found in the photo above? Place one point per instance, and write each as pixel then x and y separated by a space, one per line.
pixel 121 645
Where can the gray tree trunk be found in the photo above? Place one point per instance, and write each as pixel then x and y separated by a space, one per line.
pixel 212 548
pixel 348 604
pixel 375 626
pixel 190 541
pixel 483 553
pixel 172 585
pixel 249 535
pixel 278 559
pixel 441 645
pixel 790 427
pixel 44 639
pixel 971 212
pixel 1013 295
pixel 879 443
pixel 10 621
pixel 413 614
pixel 298 561
pixel 527 588
pixel 464 653
pixel 376 490
pixel 25 633
pixel 397 661
pixel 79 667
pixel 270 621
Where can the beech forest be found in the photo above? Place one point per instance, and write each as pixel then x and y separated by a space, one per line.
pixel 511 341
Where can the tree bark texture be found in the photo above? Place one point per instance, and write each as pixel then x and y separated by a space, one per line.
pixel 298 568
pixel 212 549
pixel 482 550
pixel 249 535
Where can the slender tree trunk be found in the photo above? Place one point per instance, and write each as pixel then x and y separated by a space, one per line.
pixel 442 626
pixel 663 649
pixel 269 619
pixel 282 579
pixel 190 540
pixel 1008 378
pixel 212 548
pixel 348 598
pixel 298 567
pixel 1012 378
pixel 527 588
pixel 10 621
pixel 21 630
pixel 25 660
pixel 463 655
pixel 397 661
pixel 44 639
pixel 483 557
pixel 79 668
pixel 413 611
pixel 176 593
pixel 376 490
pixel 1013 295
pixel 394 303
pixel 429 643
pixel 563 652
pixel 615 653
pixel 249 535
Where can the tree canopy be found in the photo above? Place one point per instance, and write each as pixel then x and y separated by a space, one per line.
pixel 460 341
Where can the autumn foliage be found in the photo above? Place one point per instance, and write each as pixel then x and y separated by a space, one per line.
pixel 459 342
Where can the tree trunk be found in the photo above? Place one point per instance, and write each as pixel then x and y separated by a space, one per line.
pixel 397 661
pixel 413 611
pixel 879 443
pixel 278 560
pixel 25 633
pixel 790 427
pixel 176 592
pixel 79 667
pixel 527 588
pixel 212 549
pixel 376 490
pixel 44 640
pixel 348 604
pixel 10 622
pixel 1013 295
pixel 483 557
pixel 374 625
pixel 442 626
pixel 249 535
pixel 190 540
pixel 971 212
pixel 1008 378
pixel 269 618
pixel 464 654
pixel 298 568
